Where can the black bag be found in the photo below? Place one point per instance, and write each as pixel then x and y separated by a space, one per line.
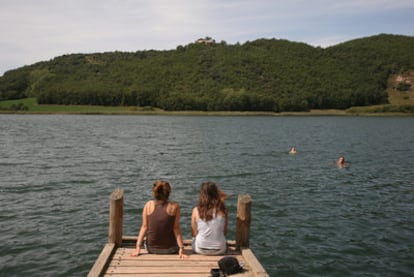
pixel 229 265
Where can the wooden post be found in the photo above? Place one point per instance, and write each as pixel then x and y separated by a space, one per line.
pixel 243 221
pixel 115 216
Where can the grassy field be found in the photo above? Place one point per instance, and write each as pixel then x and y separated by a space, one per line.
pixel 29 105
pixel 401 103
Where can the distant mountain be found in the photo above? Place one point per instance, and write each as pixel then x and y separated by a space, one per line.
pixel 261 75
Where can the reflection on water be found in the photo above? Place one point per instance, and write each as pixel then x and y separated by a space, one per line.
pixel 309 217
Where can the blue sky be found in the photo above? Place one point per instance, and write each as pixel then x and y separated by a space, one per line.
pixel 39 30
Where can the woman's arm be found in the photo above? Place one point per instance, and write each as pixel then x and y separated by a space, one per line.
pixel 142 231
pixel 177 231
pixel 194 218
pixel 226 222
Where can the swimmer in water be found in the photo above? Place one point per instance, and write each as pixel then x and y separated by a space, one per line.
pixel 341 161
pixel 292 150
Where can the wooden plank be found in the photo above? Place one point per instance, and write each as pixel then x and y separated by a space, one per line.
pixel 255 266
pixel 173 274
pixel 133 271
pixel 167 259
pixel 157 275
pixel 130 242
pixel 154 270
pixel 133 239
pixel 102 261
pixel 125 253
pixel 163 263
pixel 179 267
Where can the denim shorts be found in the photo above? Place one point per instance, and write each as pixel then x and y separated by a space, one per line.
pixel 153 250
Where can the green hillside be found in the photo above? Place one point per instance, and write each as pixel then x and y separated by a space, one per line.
pixel 261 75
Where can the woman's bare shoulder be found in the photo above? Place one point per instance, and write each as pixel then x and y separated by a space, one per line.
pixel 195 213
pixel 173 204
pixel 173 207
pixel 222 213
pixel 149 207
pixel 149 203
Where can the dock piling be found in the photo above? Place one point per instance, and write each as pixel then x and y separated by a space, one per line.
pixel 243 220
pixel 116 217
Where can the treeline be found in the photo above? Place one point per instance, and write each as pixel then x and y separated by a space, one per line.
pixel 262 75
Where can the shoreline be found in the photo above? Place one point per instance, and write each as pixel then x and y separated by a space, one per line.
pixel 30 106
pixel 215 113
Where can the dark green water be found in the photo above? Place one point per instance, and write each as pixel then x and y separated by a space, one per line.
pixel 309 217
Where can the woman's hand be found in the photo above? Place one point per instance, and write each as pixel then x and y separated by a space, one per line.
pixel 136 252
pixel 181 253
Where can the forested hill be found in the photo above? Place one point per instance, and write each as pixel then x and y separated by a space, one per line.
pixel 261 75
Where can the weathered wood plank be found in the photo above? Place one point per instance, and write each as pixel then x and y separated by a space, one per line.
pixel 170 258
pixel 160 263
pixel 157 275
pixel 133 239
pixel 126 252
pixel 255 266
pixel 102 261
pixel 167 271
pixel 173 275
pixel 153 270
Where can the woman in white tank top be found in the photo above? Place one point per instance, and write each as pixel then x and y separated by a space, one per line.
pixel 209 221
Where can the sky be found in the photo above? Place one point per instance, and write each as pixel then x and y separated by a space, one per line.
pixel 40 30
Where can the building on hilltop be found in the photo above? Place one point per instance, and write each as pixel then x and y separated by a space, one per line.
pixel 207 40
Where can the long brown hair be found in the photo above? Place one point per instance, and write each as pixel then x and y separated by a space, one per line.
pixel 161 190
pixel 211 201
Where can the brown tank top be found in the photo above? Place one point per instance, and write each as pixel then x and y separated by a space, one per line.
pixel 160 232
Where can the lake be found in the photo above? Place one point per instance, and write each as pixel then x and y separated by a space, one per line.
pixel 309 217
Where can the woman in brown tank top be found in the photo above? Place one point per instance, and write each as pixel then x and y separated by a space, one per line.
pixel 161 223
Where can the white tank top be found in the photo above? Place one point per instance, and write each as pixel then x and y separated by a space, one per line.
pixel 211 234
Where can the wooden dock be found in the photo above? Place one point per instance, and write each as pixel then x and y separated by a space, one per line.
pixel 115 259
